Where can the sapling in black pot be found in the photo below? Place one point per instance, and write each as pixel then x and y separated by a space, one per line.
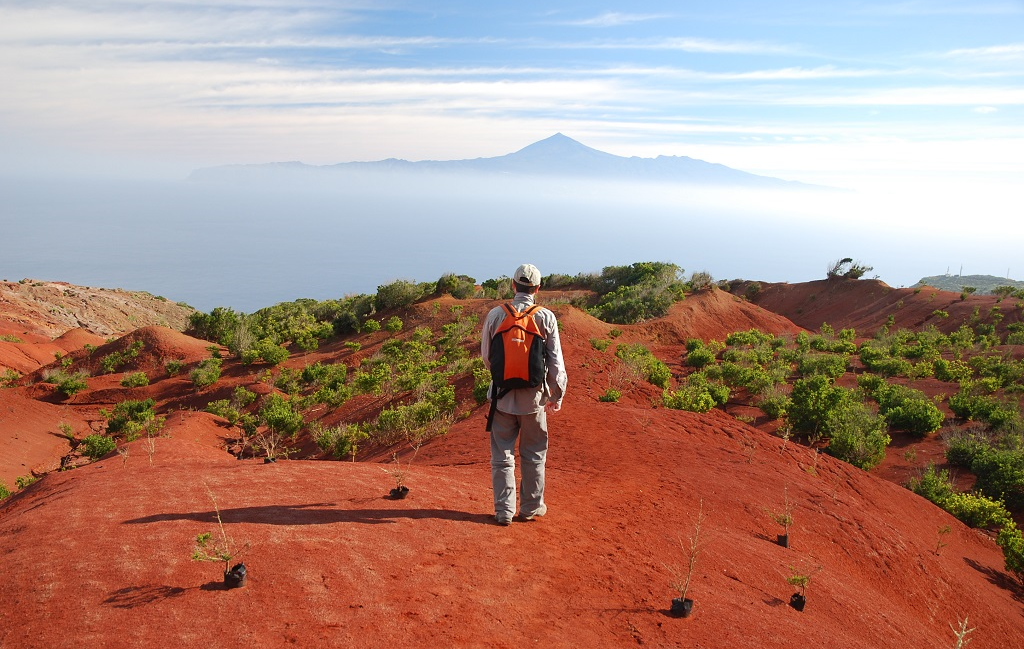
pixel 682 606
pixel 784 518
pixel 399 474
pixel 223 549
pixel 801 579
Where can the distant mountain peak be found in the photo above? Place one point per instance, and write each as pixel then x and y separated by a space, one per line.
pixel 555 156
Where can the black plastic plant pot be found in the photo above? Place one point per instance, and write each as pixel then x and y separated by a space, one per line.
pixel 798 601
pixel 399 493
pixel 681 607
pixel 235 578
pixel 784 540
pixel 269 460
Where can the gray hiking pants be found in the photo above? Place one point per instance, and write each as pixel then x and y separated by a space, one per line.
pixel 532 432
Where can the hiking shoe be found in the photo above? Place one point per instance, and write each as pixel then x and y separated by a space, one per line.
pixel 504 522
pixel 537 514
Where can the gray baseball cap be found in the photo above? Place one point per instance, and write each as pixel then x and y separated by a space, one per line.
pixel 527 275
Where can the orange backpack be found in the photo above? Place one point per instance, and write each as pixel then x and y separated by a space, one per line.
pixel 517 355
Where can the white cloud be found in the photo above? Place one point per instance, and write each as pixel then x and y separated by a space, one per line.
pixel 613 19
pixel 986 110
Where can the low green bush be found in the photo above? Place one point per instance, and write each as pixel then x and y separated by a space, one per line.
pixel 393 324
pixel 224 408
pixel 1012 543
pixel 1000 474
pixel 4 491
pixel 643 362
pixel 174 367
pixel 135 380
pixel 115 360
pixel 908 409
pixel 830 365
pixel 775 403
pixel 977 510
pixel 812 398
pixel 934 485
pixel 600 344
pixel 856 434
pixel 611 395
pixel 69 384
pixel 96 446
pixel 370 326
pixel 129 415
pixel 339 441
pixel 700 357
pixel 206 373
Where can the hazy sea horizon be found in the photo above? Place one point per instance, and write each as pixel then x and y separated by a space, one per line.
pixel 252 246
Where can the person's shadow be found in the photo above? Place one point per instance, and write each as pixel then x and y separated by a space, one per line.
pixel 314 514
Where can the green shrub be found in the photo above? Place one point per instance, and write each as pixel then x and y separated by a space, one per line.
pixel 223 408
pixel 23 481
pixel 830 365
pixel 611 395
pixel 600 344
pixel 69 384
pixel 174 367
pixel 638 292
pixel 398 294
pixel 933 485
pixel 908 409
pixel 265 350
pixel 115 360
pixel 481 383
pixel 1000 474
pixel 693 399
pixel 643 362
pixel 775 403
pixel 750 337
pixel 4 491
pixel 372 380
pixel 339 441
pixel 857 435
pixel 371 326
pixel 962 448
pixel 244 397
pixel 812 399
pixel 1012 543
pixel 281 415
pixel 206 373
pixel 129 412
pixel 393 325
pixel 96 446
pixel 699 395
pixel 9 378
pixel 955 371
pixel 135 380
pixel 700 357
pixel 977 510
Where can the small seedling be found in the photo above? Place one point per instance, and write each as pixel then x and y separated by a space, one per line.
pixel 223 549
pixel 681 577
pixel 784 517
pixel 940 542
pixel 801 579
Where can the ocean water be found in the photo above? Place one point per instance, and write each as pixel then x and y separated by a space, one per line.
pixel 250 246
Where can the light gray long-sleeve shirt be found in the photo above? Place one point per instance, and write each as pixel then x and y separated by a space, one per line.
pixel 526 401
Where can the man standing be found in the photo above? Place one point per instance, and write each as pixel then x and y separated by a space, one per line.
pixel 521 412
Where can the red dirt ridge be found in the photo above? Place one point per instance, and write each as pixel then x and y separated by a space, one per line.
pixel 100 556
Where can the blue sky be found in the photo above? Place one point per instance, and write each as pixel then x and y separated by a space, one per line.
pixel 916 105
pixel 847 93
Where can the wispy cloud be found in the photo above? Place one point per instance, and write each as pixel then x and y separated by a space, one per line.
pixel 1013 52
pixel 613 19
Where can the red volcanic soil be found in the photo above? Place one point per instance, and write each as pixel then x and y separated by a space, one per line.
pixel 100 556
pixel 31 436
pixel 866 305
